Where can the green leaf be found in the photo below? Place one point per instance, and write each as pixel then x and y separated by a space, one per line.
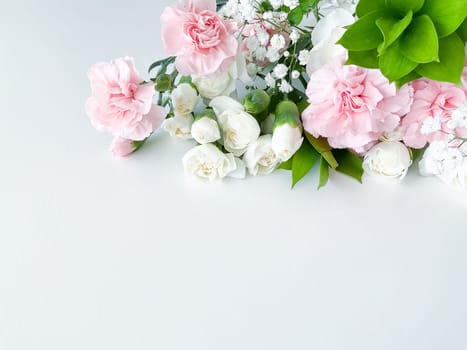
pixel 462 31
pixel 286 165
pixel 307 5
pixel 163 62
pixel 416 153
pixel 323 173
pixel 349 164
pixel 295 16
pixel 303 160
pixel 364 7
pixel 363 35
pixel 394 65
pixel 406 79
pixel 367 59
pixel 447 15
pixel 402 6
pixel 419 42
pixel 321 145
pixel 392 29
pixel 451 63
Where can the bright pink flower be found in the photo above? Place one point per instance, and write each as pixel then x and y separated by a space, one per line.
pixel 353 106
pixel 431 99
pixel 203 43
pixel 121 147
pixel 119 104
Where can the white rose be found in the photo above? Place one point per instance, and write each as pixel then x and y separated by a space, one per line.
pixel 208 162
pixel 221 104
pixel 259 158
pixel 239 129
pixel 388 159
pixel 184 99
pixel 179 126
pixel 324 37
pixel 205 130
pixel 286 140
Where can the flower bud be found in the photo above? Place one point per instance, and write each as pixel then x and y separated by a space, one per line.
pixel 257 103
pixel 287 113
pixel 163 83
pixel 205 128
pixel 387 159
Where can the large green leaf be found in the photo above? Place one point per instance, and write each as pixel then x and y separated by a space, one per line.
pixel 304 159
pixel 364 34
pixel 447 15
pixel 323 173
pixel 364 7
pixel 408 78
pixel 462 30
pixel 394 65
pixel 367 59
pixel 402 6
pixel 392 29
pixel 451 64
pixel 287 165
pixel 295 16
pixel 419 42
pixel 321 145
pixel 349 164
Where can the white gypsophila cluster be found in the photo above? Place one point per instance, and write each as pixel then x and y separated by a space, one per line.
pixel 277 42
pixel 445 161
pixel 240 11
pixel 276 4
pixel 285 87
pixel 303 57
pixel 430 125
pixel 270 80
pixel 327 6
pixel 291 4
pixel 280 71
pixel 294 36
pixel 458 117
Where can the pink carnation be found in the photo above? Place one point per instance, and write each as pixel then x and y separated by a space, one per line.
pixel 119 104
pixel 431 99
pixel 121 147
pixel 353 106
pixel 203 43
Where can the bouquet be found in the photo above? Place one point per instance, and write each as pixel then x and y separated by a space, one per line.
pixel 359 87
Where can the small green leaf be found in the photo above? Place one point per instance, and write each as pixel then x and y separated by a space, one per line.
pixel 303 160
pixel 416 153
pixel 307 5
pixel 295 16
pixel 323 173
pixel 349 164
pixel 462 31
pixel 447 15
pixel 367 59
pixel 451 64
pixel 402 6
pixel 286 165
pixel 394 65
pixel 364 7
pixel 363 35
pixel 392 29
pixel 416 49
pixel 321 145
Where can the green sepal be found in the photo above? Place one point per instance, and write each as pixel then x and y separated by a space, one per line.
pixel 286 113
pixel 206 113
pixel 303 161
pixel 321 145
pixel 349 164
pixel 186 79
pixel 323 173
pixel 451 63
pixel 257 102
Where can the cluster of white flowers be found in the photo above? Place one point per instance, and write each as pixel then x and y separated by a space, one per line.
pixel 327 6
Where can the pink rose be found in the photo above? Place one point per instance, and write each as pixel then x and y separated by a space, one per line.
pixel 203 43
pixel 353 106
pixel 119 104
pixel 431 99
pixel 121 147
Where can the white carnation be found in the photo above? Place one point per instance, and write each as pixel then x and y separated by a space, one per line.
pixel 239 129
pixel 260 158
pixel 205 130
pixel 387 159
pixel 179 126
pixel 184 99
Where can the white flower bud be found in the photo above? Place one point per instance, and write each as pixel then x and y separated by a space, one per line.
pixel 387 159
pixel 286 140
pixel 205 130
pixel 259 158
pixel 184 99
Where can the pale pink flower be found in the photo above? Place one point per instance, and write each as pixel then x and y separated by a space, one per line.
pixel 121 147
pixel 203 43
pixel 119 103
pixel 352 106
pixel 432 99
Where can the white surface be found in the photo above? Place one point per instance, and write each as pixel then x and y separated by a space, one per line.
pixel 102 253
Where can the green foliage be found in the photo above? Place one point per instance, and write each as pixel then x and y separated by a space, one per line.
pixel 323 173
pixel 408 39
pixel 321 145
pixel 349 164
pixel 303 161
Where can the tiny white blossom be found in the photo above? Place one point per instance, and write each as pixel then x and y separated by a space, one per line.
pixel 286 54
pixel 303 57
pixel 294 36
pixel 295 74
pixel 273 55
pixel 291 4
pixel 276 3
pixel 430 125
pixel 285 87
pixel 270 81
pixel 268 15
pixel 282 16
pixel 280 71
pixel 277 42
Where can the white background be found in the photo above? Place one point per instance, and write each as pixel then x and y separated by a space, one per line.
pixel 103 253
